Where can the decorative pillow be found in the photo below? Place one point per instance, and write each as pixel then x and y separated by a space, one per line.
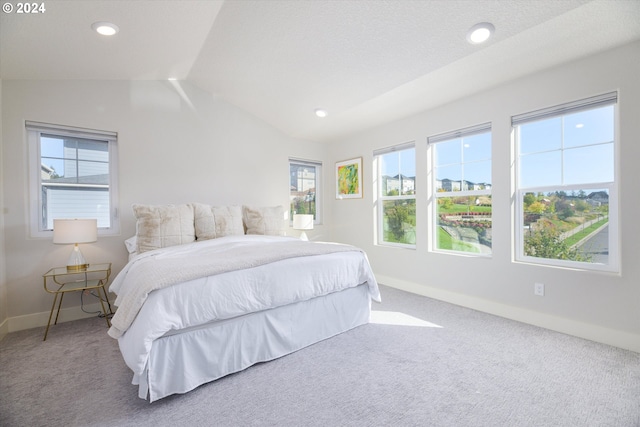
pixel 213 222
pixel 163 226
pixel 266 220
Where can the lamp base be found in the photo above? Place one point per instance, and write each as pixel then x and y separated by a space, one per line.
pixel 76 260
pixel 80 267
pixel 303 236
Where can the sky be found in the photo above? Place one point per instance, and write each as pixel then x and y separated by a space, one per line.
pixel 588 155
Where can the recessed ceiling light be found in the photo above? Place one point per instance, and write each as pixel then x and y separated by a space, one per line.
pixel 105 28
pixel 320 112
pixel 172 79
pixel 480 33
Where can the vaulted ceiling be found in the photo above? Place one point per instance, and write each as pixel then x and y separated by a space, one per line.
pixel 365 62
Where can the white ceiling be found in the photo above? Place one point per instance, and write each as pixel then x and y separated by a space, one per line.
pixel 366 62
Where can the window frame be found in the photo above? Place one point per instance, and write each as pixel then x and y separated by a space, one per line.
pixel 380 198
pixel 560 111
pixel 34 132
pixel 432 142
pixel 318 194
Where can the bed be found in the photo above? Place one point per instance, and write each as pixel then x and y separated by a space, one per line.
pixel 191 311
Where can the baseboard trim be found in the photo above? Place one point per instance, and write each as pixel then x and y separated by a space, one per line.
pixel 37 320
pixel 587 331
pixel 4 328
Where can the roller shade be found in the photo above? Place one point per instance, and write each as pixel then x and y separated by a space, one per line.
pixel 569 107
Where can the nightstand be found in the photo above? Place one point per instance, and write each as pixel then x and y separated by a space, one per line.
pixel 60 280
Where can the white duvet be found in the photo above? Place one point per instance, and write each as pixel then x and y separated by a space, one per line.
pixel 233 293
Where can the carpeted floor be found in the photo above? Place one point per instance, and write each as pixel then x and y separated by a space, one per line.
pixel 429 364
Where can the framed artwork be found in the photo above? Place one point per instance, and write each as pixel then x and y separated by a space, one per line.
pixel 349 179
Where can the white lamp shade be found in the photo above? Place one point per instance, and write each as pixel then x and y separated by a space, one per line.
pixel 71 231
pixel 303 222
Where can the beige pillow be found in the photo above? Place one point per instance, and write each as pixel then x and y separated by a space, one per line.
pixel 264 220
pixel 162 226
pixel 212 222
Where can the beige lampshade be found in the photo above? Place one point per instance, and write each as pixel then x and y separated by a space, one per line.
pixel 74 231
pixel 303 222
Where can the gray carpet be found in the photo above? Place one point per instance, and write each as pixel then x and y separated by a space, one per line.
pixel 473 370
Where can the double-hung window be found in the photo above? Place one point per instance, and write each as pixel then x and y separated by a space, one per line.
pixel 72 175
pixel 304 188
pixel 566 185
pixel 396 177
pixel 462 190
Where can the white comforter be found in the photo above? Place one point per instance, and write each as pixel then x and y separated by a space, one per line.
pixel 232 293
pixel 178 264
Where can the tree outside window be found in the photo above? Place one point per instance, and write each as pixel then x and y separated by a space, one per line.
pixel 397 195
pixel 304 186
pixel 566 185
pixel 462 198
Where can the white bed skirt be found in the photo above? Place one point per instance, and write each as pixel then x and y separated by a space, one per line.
pixel 187 359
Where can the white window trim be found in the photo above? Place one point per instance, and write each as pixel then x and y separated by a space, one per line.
pixel 319 187
pixel 447 136
pixel 610 98
pixel 34 131
pixel 379 240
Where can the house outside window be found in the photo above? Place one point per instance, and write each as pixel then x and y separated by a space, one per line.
pixel 396 177
pixel 304 188
pixel 73 175
pixel 461 185
pixel 566 189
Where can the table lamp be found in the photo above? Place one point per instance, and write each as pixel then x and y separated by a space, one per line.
pixel 74 231
pixel 303 222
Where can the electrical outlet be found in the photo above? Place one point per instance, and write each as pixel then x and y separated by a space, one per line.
pixel 538 289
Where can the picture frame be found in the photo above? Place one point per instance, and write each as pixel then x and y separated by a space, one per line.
pixel 349 179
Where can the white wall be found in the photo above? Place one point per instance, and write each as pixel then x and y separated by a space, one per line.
pixel 4 324
pixel 180 144
pixel 176 144
pixel 602 307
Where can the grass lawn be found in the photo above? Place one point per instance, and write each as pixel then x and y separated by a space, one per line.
pixel 572 240
pixel 446 242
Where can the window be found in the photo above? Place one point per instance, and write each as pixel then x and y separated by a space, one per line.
pixel 566 187
pixel 73 175
pixel 396 194
pixel 304 189
pixel 462 190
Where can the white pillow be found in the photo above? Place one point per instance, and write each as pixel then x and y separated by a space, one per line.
pixel 212 222
pixel 131 244
pixel 163 226
pixel 264 220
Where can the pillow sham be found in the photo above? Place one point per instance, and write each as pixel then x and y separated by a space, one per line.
pixel 131 244
pixel 264 220
pixel 132 247
pixel 163 225
pixel 212 222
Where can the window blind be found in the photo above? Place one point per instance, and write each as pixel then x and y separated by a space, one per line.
pixel 71 131
pixel 569 107
pixel 460 133
pixel 399 147
pixel 304 162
